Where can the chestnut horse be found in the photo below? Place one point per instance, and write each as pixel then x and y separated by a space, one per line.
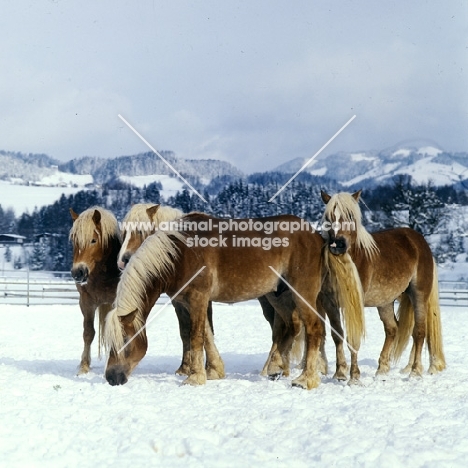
pixel 141 221
pixel 217 269
pixel 395 264
pixel 96 242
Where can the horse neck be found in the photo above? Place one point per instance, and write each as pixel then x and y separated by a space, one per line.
pixel 108 263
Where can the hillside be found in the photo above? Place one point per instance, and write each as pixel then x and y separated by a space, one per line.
pixel 371 168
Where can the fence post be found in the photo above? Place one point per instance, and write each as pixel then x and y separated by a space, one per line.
pixel 27 287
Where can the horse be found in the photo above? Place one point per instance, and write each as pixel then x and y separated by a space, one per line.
pixel 390 265
pixel 197 266
pixel 95 236
pixel 141 221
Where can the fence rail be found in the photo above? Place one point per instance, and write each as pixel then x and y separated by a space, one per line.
pixel 29 288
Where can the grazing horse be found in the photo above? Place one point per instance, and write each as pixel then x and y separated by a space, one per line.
pixel 395 264
pixel 194 268
pixel 96 242
pixel 140 222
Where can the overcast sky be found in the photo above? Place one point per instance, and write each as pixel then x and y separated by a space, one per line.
pixel 255 83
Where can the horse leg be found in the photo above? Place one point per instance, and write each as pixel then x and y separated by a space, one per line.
pixel 269 314
pixel 419 334
pixel 274 366
pixel 184 330
pixel 214 364
pixel 314 332
pixel 387 316
pixel 407 369
pixel 198 306
pixel 324 302
pixel 88 309
pixel 286 327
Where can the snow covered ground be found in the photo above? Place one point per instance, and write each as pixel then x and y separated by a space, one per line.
pixel 27 197
pixel 52 418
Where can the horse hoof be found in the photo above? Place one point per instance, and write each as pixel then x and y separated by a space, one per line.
pixel 340 376
pixel 183 370
pixel 276 376
pixel 355 382
pixel 83 370
pixel 195 380
pixel 306 383
pixel 406 370
pixel 213 374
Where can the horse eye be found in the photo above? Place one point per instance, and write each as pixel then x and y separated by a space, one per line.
pixel 93 241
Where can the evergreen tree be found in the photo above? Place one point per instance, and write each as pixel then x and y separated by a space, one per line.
pixel 7 255
pixel 38 257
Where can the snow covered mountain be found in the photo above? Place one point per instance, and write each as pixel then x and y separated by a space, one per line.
pixel 370 168
pixel 42 170
pixel 146 164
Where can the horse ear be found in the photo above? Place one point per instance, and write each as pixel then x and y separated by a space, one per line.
pixel 151 211
pixel 128 319
pixel 73 215
pixel 325 196
pixel 356 195
pixel 96 217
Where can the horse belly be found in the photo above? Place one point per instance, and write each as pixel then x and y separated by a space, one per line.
pixel 245 288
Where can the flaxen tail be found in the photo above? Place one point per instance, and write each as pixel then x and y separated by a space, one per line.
pixel 434 328
pixel 113 332
pixel 296 354
pixel 347 286
pixel 405 318
pixel 103 310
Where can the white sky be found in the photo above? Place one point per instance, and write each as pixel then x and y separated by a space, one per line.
pixel 252 82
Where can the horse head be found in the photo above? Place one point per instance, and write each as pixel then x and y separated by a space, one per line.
pixel 136 227
pixel 128 349
pixel 140 222
pixel 90 235
pixel 341 220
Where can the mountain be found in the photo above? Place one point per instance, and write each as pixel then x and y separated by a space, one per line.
pixel 371 168
pixel 25 167
pixel 149 163
pixel 39 169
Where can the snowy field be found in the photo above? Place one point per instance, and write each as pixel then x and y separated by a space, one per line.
pixel 52 418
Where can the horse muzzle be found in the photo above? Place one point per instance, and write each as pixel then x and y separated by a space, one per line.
pixel 337 246
pixel 116 376
pixel 80 274
pixel 124 259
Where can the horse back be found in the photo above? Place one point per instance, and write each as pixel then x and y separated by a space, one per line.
pixel 242 264
pixel 404 259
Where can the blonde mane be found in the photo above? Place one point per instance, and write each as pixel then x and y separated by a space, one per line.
pixel 138 213
pixel 153 260
pixel 345 208
pixel 83 229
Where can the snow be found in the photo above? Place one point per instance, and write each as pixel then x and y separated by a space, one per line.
pixel 376 173
pixel 171 185
pixel 425 169
pixel 319 172
pixel 60 178
pixel 27 197
pixel 402 152
pixel 430 151
pixel 50 417
pixel 361 157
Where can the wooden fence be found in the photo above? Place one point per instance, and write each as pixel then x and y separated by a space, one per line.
pixel 28 288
